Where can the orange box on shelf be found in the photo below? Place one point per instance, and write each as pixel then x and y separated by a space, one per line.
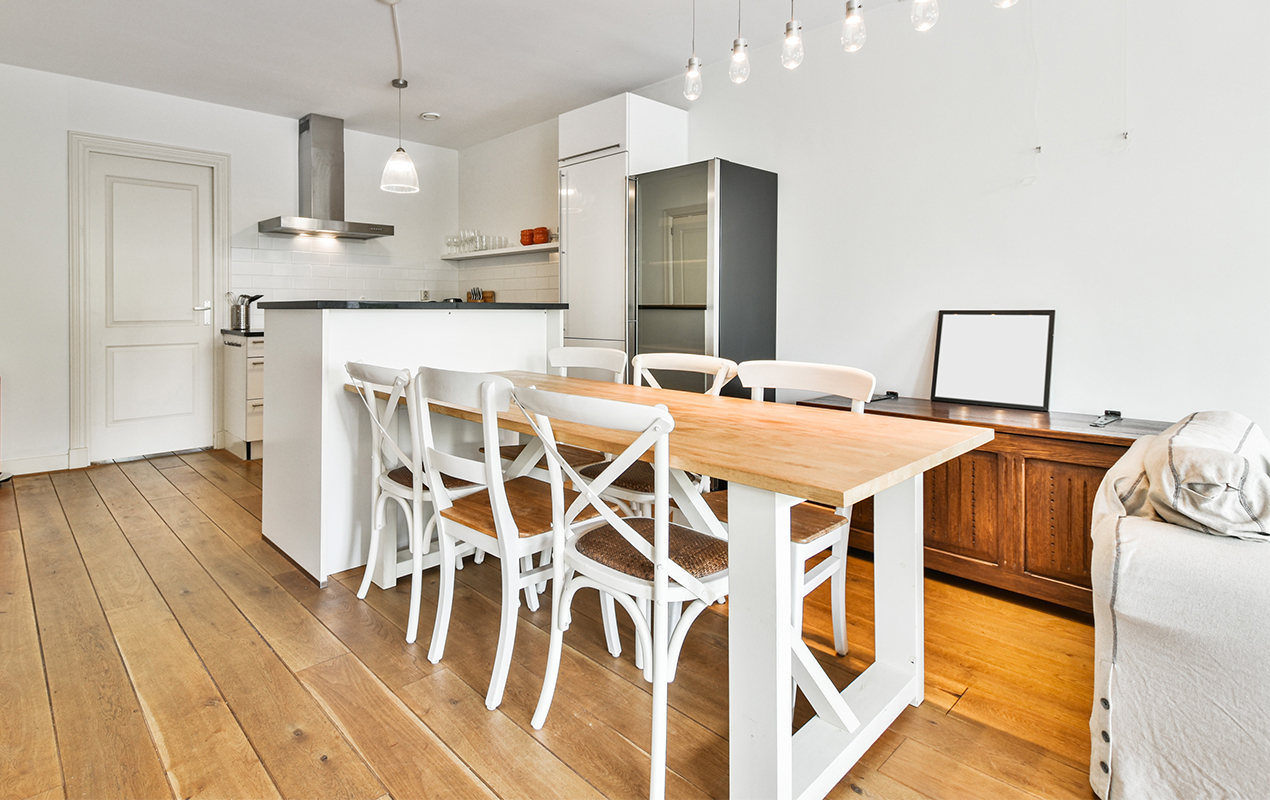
pixel 542 235
pixel 527 236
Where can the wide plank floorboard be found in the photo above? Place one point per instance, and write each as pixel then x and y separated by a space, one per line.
pixel 187 658
pixel 103 741
pixel 28 749
pixel 204 751
pixel 302 749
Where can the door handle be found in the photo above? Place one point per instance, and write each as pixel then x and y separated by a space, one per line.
pixel 206 308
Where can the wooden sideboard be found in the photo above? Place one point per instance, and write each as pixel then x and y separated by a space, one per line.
pixel 1014 513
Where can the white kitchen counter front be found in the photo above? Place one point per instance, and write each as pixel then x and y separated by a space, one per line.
pixel 317 473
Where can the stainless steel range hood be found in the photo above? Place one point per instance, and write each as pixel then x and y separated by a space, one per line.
pixel 322 187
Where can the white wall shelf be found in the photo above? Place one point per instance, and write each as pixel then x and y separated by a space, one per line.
pixel 549 247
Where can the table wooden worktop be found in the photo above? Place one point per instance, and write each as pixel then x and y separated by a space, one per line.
pixel 818 454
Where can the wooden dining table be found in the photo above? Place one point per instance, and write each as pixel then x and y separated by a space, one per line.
pixel 774 456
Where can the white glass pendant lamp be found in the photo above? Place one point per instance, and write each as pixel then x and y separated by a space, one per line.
pixel 853 32
pixel 399 173
pixel 1004 3
pixel 692 79
pixel 692 76
pixel 739 64
pixel 925 14
pixel 792 49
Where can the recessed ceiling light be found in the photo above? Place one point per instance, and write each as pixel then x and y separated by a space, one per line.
pixel 430 116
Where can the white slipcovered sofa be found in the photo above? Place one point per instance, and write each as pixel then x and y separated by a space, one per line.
pixel 1181 581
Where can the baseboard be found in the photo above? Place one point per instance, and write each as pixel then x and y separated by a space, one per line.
pixel 26 466
pixel 239 448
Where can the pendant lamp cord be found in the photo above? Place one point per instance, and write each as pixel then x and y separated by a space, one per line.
pixel 694 28
pixel 396 33
pixel 738 19
pixel 398 116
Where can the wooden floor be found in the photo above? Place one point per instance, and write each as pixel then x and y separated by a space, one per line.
pixel 153 645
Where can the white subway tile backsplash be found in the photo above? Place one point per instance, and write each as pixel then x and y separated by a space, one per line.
pixel 311 283
pixel 240 253
pixel 327 271
pixel 273 256
pixel 270 282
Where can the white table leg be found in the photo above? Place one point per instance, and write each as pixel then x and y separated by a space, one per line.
pixel 898 610
pixel 759 634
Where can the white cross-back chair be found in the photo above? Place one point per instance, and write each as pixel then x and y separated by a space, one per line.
pixel 723 369
pixel 634 487
pixel 643 562
pixel 405 483
pixel 561 359
pixel 813 528
pixel 509 517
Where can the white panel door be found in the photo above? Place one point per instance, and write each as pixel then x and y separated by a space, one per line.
pixel 593 248
pixel 149 269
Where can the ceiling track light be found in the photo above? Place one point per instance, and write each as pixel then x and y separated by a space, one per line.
pixel 692 77
pixel 853 33
pixel 399 173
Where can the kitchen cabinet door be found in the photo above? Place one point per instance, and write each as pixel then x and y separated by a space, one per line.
pixel 593 248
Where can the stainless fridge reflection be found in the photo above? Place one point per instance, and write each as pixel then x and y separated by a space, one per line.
pixel 703 265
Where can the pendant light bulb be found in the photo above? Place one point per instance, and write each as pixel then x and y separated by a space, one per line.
pixel 792 49
pixel 853 32
pixel 692 79
pixel 925 14
pixel 739 65
pixel 399 173
pixel 1004 3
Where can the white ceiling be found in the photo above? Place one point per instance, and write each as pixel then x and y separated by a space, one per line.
pixel 488 66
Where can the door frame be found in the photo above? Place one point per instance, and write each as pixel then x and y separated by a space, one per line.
pixel 80 148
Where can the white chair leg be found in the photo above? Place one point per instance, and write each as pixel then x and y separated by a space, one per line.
pixel 373 559
pixel 479 557
pixel 506 635
pixel 445 598
pixel 419 542
pixel 640 662
pixel 838 586
pixel 531 590
pixel 609 614
pixel 543 560
pixel 657 749
pixel 553 652
pixel 797 577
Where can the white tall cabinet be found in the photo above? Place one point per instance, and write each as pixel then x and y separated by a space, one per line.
pixel 600 145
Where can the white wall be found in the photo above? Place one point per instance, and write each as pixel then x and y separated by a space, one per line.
pixel 38 110
pixel 902 171
pixel 505 185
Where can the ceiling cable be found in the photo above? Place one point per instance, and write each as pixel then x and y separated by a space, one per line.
pixel 396 33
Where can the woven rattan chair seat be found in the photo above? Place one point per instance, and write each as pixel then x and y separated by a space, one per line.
pixel 576 457
pixel 700 555
pixel 807 521
pixel 405 477
pixel 638 477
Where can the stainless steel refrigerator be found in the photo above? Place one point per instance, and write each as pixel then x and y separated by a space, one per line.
pixel 701 265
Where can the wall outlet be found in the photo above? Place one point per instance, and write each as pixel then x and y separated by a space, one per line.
pixel 423 295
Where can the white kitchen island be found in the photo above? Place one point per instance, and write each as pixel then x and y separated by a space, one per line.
pixel 317 478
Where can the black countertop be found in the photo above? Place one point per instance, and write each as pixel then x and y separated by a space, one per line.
pixel 232 332
pixel 308 305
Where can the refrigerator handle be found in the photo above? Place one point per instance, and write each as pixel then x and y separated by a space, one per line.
pixel 564 243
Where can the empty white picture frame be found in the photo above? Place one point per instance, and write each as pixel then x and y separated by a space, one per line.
pixel 994 358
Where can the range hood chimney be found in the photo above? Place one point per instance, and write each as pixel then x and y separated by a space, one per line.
pixel 322 187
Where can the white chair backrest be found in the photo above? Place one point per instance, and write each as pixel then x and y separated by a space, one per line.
pixel 487 394
pixel 848 382
pixel 602 358
pixel 722 369
pixel 654 424
pixel 395 383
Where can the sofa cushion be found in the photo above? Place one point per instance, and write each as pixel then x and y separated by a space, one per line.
pixel 1211 473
